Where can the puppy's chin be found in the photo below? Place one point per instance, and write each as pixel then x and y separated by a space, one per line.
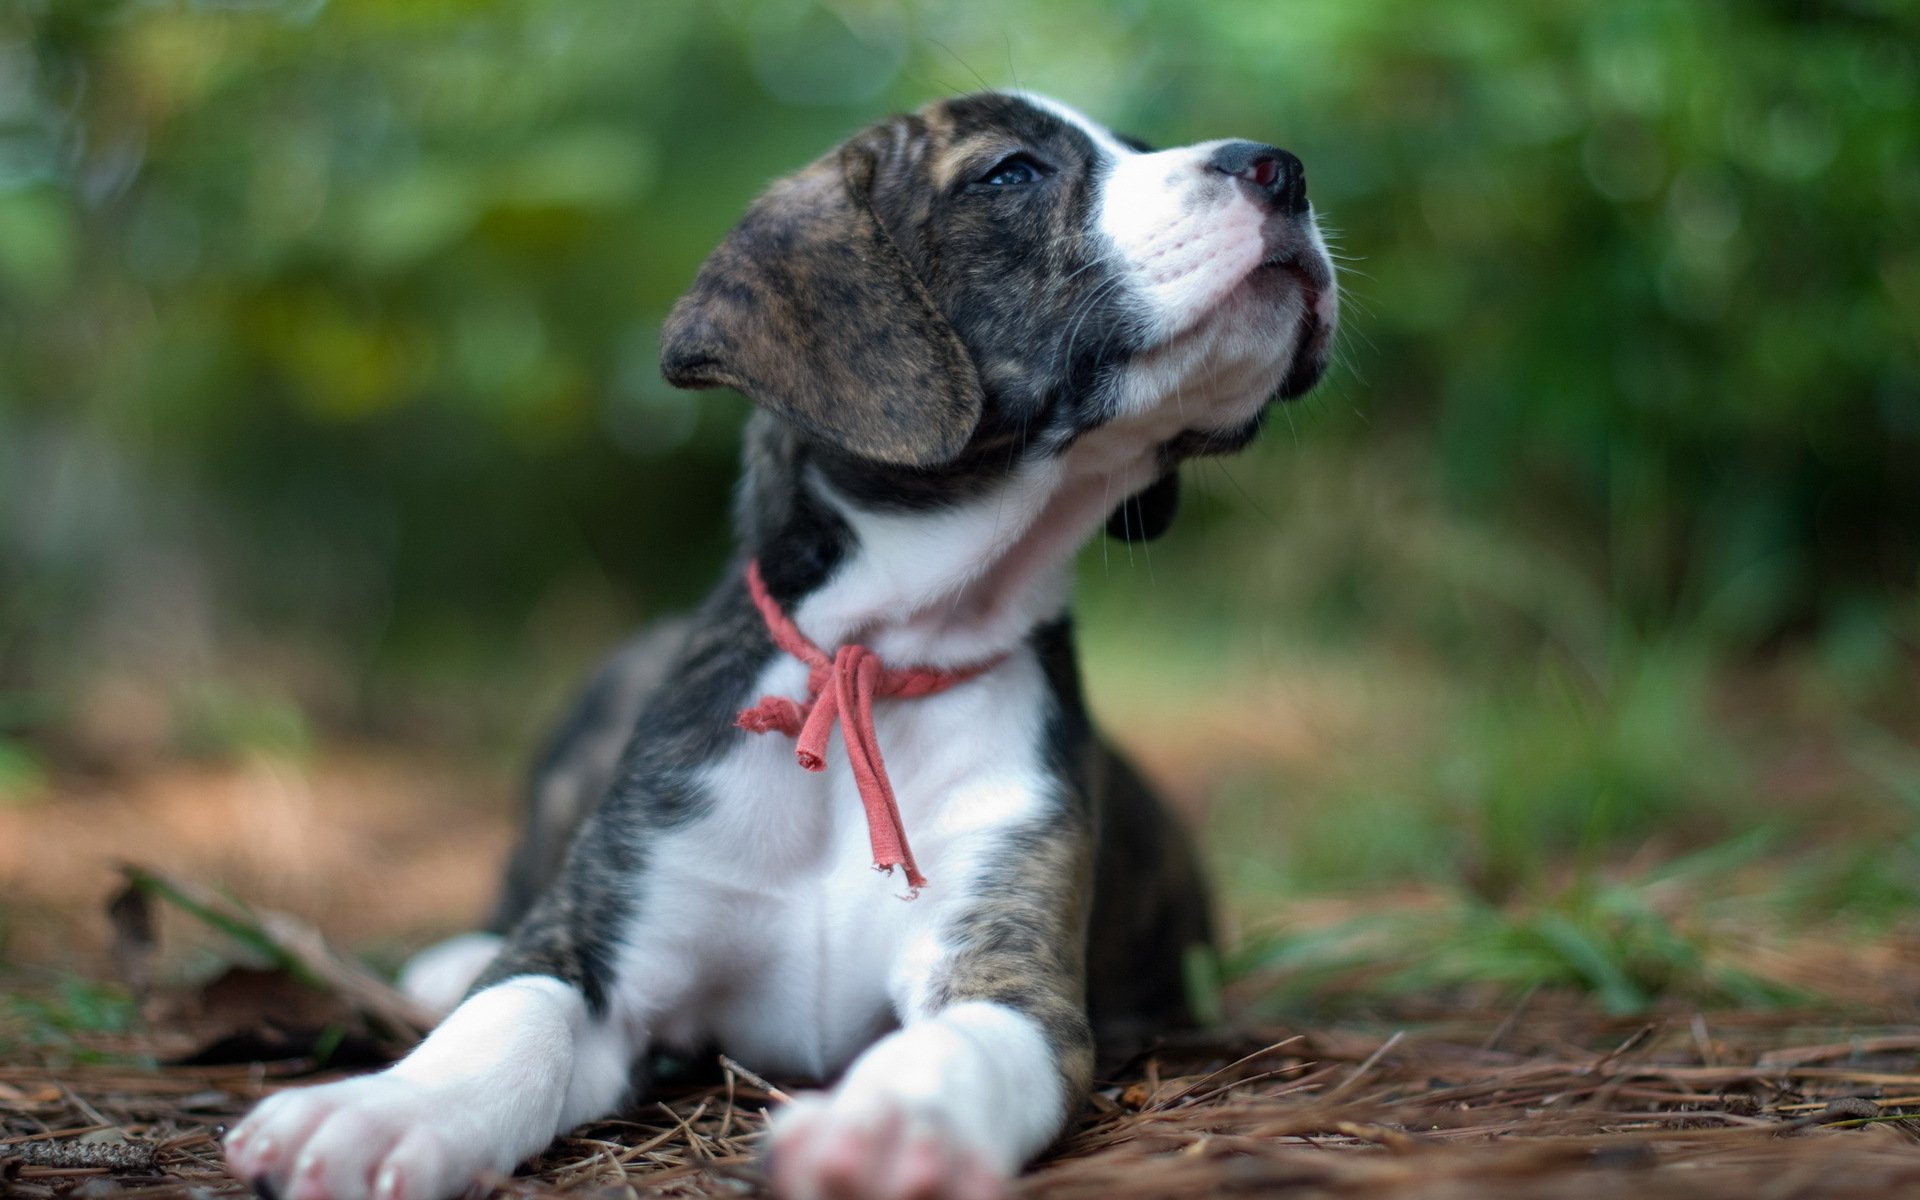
pixel 1305 281
pixel 1212 443
pixel 1304 371
pixel 1309 360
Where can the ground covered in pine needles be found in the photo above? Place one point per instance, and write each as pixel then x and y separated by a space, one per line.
pixel 1547 1100
pixel 1442 1090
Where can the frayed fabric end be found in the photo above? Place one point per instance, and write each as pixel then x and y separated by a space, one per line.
pixel 840 692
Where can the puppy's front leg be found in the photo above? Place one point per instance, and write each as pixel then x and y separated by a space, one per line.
pixel 509 1068
pixel 994 1053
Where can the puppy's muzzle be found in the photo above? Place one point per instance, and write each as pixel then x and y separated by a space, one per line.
pixel 1276 180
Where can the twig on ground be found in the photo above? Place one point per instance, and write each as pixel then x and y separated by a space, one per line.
pixel 287 941
pixel 734 1068
pixel 96 1156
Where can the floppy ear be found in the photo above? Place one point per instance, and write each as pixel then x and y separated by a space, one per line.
pixel 1147 513
pixel 811 309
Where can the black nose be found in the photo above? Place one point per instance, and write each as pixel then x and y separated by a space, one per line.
pixel 1269 169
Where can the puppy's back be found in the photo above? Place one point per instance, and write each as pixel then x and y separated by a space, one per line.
pixel 578 764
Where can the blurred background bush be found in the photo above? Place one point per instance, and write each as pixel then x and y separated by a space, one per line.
pixel 329 408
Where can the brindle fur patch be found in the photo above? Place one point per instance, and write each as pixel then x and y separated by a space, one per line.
pixel 572 929
pixel 1022 939
pixel 579 761
pixel 935 331
pixel 809 308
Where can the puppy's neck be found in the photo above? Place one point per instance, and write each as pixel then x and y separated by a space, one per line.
pixel 943 570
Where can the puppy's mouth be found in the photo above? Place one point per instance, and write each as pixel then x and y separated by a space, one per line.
pixel 1262 306
pixel 1309 273
pixel 1312 276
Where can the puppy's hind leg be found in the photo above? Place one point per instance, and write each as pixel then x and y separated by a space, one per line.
pixel 574 772
pixel 515 1064
pixel 438 977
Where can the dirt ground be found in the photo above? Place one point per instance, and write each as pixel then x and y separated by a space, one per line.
pixel 1435 1097
pixel 372 847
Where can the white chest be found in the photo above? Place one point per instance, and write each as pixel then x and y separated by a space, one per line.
pixel 780 940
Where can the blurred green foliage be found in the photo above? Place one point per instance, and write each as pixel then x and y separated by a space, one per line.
pixel 332 326
pixel 51 1023
pixel 1604 938
pixel 352 305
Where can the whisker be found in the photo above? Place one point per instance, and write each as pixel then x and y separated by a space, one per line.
pixel 1110 254
pixel 1106 502
pixel 1085 310
pixel 1255 505
pixel 1006 39
pixel 984 85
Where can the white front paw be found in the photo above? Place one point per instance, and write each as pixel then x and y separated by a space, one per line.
pixel 373 1138
pixel 842 1147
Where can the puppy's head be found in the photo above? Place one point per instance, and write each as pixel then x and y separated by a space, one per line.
pixel 996 277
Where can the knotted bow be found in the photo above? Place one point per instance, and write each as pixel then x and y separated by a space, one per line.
pixel 841 689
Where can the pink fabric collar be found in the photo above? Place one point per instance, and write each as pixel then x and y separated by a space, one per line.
pixel 841 688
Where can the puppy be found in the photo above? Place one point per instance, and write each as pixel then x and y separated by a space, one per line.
pixel 973 334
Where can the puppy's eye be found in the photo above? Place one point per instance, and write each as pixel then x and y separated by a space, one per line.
pixel 1012 171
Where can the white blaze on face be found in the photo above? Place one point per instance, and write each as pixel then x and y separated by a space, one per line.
pixel 1187 235
pixel 1183 234
pixel 1184 238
